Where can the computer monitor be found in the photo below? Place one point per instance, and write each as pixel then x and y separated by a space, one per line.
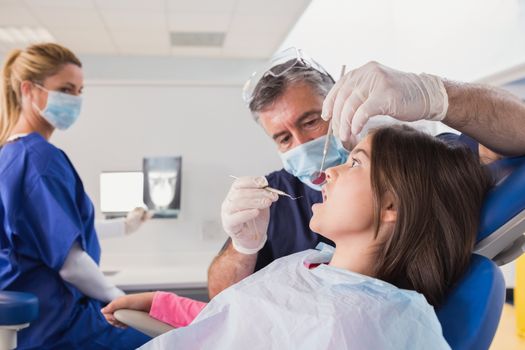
pixel 120 192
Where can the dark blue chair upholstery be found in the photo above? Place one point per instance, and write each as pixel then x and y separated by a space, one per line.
pixel 471 312
pixel 17 310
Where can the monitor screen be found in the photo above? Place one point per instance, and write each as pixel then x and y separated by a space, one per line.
pixel 120 192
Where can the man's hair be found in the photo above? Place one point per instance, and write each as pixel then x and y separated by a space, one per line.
pixel 270 88
pixel 438 192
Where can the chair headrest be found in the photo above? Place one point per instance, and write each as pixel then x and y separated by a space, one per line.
pixel 507 198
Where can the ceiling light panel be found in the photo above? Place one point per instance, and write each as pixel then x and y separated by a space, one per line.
pixel 198 39
pixel 24 35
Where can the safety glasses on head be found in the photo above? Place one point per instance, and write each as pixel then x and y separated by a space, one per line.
pixel 280 64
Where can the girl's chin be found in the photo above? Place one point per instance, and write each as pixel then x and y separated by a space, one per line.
pixel 317 205
pixel 314 221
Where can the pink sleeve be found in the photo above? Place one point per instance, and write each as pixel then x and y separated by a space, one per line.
pixel 175 310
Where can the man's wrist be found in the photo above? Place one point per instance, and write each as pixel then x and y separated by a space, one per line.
pixel 460 109
pixel 248 251
pixel 438 100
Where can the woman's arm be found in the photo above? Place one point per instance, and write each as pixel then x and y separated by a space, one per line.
pixel 82 272
pixel 110 228
pixel 122 226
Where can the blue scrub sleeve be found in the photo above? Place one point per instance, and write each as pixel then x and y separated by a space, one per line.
pixel 50 220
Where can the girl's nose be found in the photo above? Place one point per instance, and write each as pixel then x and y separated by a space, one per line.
pixel 330 174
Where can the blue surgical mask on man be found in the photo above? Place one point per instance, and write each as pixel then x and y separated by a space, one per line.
pixel 304 160
pixel 62 110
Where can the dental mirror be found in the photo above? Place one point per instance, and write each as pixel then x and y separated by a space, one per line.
pixel 319 177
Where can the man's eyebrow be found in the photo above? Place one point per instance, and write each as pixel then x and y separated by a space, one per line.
pixel 307 114
pixel 360 150
pixel 299 120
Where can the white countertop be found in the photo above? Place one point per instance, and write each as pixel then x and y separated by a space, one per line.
pixel 158 272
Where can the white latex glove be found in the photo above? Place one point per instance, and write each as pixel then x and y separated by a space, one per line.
pixel 245 213
pixel 374 89
pixel 135 219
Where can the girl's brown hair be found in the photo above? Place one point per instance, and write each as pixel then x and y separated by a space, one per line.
pixel 35 63
pixel 438 192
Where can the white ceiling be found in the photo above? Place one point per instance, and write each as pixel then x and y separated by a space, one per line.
pixel 254 28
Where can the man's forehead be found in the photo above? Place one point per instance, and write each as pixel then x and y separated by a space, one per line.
pixel 292 104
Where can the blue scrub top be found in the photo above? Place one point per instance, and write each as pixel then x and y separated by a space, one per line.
pixel 460 140
pixel 43 211
pixel 289 231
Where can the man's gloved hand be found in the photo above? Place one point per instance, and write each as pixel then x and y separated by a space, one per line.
pixel 374 89
pixel 135 219
pixel 245 213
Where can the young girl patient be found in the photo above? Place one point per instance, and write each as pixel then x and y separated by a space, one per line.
pixel 403 213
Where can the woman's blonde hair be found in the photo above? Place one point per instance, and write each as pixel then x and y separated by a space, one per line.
pixel 35 63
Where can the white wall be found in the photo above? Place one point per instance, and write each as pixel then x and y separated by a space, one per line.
pixel 148 107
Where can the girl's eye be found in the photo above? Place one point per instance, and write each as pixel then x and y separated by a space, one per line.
pixel 354 163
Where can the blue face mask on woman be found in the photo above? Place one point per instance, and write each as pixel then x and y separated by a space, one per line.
pixel 304 160
pixel 62 110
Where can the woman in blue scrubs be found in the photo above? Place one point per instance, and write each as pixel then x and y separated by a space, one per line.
pixel 48 243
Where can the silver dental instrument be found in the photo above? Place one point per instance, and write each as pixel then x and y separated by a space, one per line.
pixel 274 190
pixel 319 177
pixel 281 193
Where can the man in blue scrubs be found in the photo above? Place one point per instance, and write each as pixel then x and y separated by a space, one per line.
pixel 290 113
pixel 287 101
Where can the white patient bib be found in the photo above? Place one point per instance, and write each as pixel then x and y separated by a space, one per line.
pixel 288 306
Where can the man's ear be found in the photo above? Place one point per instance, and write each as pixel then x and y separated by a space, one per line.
pixel 388 209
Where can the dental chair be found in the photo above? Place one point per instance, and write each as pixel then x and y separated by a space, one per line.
pixel 471 313
pixel 17 310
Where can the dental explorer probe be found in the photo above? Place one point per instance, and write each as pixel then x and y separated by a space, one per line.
pixel 274 190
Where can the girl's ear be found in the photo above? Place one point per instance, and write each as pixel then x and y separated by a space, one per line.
pixel 389 209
